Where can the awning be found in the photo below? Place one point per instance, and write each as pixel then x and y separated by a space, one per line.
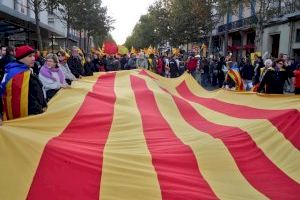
pixel 21 20
pixel 7 28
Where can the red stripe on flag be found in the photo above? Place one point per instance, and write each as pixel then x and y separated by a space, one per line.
pixel 176 166
pixel 17 83
pixel 284 120
pixel 5 109
pixel 145 73
pixel 71 164
pixel 252 162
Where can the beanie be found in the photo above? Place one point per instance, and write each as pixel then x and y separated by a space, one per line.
pixel 23 51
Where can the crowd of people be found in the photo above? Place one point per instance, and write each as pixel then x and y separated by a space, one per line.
pixel 264 75
pixel 29 80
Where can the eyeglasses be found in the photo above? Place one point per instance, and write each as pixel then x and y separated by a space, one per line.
pixel 280 63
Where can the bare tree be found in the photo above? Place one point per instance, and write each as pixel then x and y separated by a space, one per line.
pixel 39 6
pixel 67 11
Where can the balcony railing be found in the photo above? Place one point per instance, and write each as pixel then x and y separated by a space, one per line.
pixel 246 22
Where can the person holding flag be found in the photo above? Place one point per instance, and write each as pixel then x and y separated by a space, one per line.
pixel 233 78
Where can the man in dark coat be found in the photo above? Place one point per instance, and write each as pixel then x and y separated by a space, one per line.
pixel 8 57
pixel 174 72
pixel 74 63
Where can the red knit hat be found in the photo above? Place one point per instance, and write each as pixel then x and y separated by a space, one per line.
pixel 23 51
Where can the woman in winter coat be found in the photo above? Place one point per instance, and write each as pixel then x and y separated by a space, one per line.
pixel 52 77
pixel 63 65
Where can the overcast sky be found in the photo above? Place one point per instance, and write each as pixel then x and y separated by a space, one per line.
pixel 126 14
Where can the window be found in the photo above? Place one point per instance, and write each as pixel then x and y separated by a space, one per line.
pixel 298 35
pixel 50 20
pixel 50 11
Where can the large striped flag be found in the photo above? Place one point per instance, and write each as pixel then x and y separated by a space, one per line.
pixel 133 135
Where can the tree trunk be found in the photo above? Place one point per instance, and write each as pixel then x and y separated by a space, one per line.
pixel 225 45
pixel 84 40
pixel 210 44
pixel 88 43
pixel 258 36
pixel 261 18
pixel 242 46
pixel 80 38
pixel 37 23
pixel 68 33
pixel 187 47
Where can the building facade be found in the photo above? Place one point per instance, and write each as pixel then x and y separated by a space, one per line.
pixel 239 26
pixel 17 26
pixel 281 34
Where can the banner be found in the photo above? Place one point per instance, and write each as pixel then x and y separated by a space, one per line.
pixel 253 55
pixel 110 47
pixel 134 135
pixel 122 50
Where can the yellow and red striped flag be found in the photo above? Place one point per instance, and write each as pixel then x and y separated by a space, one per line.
pixel 236 77
pixel 15 97
pixel 134 135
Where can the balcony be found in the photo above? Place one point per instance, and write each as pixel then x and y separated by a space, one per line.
pixel 242 23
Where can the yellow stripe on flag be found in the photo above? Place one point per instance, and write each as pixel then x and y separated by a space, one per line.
pixel 8 100
pixel 22 141
pixel 127 172
pixel 217 169
pixel 24 94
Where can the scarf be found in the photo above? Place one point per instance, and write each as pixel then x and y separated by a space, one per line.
pixel 47 72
